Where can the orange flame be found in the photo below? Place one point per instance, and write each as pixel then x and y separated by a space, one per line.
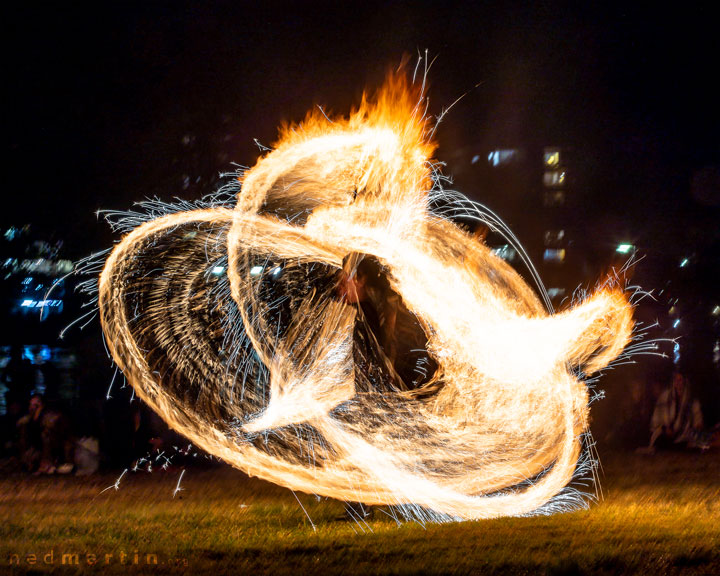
pixel 500 432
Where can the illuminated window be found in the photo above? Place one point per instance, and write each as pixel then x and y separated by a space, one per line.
pixel 506 252
pixel 554 198
pixel 64 266
pixel 500 157
pixel 556 292
pixel 551 157
pixel 554 238
pixel 554 178
pixel 41 303
pixel 554 255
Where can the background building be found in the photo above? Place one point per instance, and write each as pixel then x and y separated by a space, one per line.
pixel 36 303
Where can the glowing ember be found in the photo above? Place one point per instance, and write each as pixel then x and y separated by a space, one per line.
pixel 240 328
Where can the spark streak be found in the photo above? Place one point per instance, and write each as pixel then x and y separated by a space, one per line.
pixel 261 366
pixel 177 488
pixel 116 486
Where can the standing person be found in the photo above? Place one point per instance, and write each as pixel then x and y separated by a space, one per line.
pixel 19 379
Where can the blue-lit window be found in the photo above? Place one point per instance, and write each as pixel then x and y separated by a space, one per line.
pixel 554 255
pixel 501 157
pixel 506 252
pixel 556 293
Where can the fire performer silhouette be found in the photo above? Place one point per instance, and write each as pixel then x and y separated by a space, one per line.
pixel 387 335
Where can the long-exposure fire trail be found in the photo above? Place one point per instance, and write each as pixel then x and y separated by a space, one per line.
pixel 323 324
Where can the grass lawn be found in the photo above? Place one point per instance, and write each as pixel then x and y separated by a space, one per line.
pixel 658 515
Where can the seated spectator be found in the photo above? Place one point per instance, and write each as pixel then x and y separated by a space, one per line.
pixel 45 445
pixel 677 420
pixel 87 456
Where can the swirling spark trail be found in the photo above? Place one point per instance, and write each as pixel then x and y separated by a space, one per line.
pixel 227 321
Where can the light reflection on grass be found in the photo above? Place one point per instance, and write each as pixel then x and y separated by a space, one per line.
pixel 658 515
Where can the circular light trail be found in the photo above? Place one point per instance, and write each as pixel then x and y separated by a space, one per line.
pixel 227 321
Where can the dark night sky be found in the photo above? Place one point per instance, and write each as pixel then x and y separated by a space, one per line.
pixel 100 98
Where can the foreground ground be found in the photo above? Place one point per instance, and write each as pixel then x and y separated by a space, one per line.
pixel 658 515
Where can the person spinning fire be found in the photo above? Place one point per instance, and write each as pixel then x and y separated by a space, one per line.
pixel 389 339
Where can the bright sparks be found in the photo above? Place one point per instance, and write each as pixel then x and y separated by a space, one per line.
pixel 226 320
